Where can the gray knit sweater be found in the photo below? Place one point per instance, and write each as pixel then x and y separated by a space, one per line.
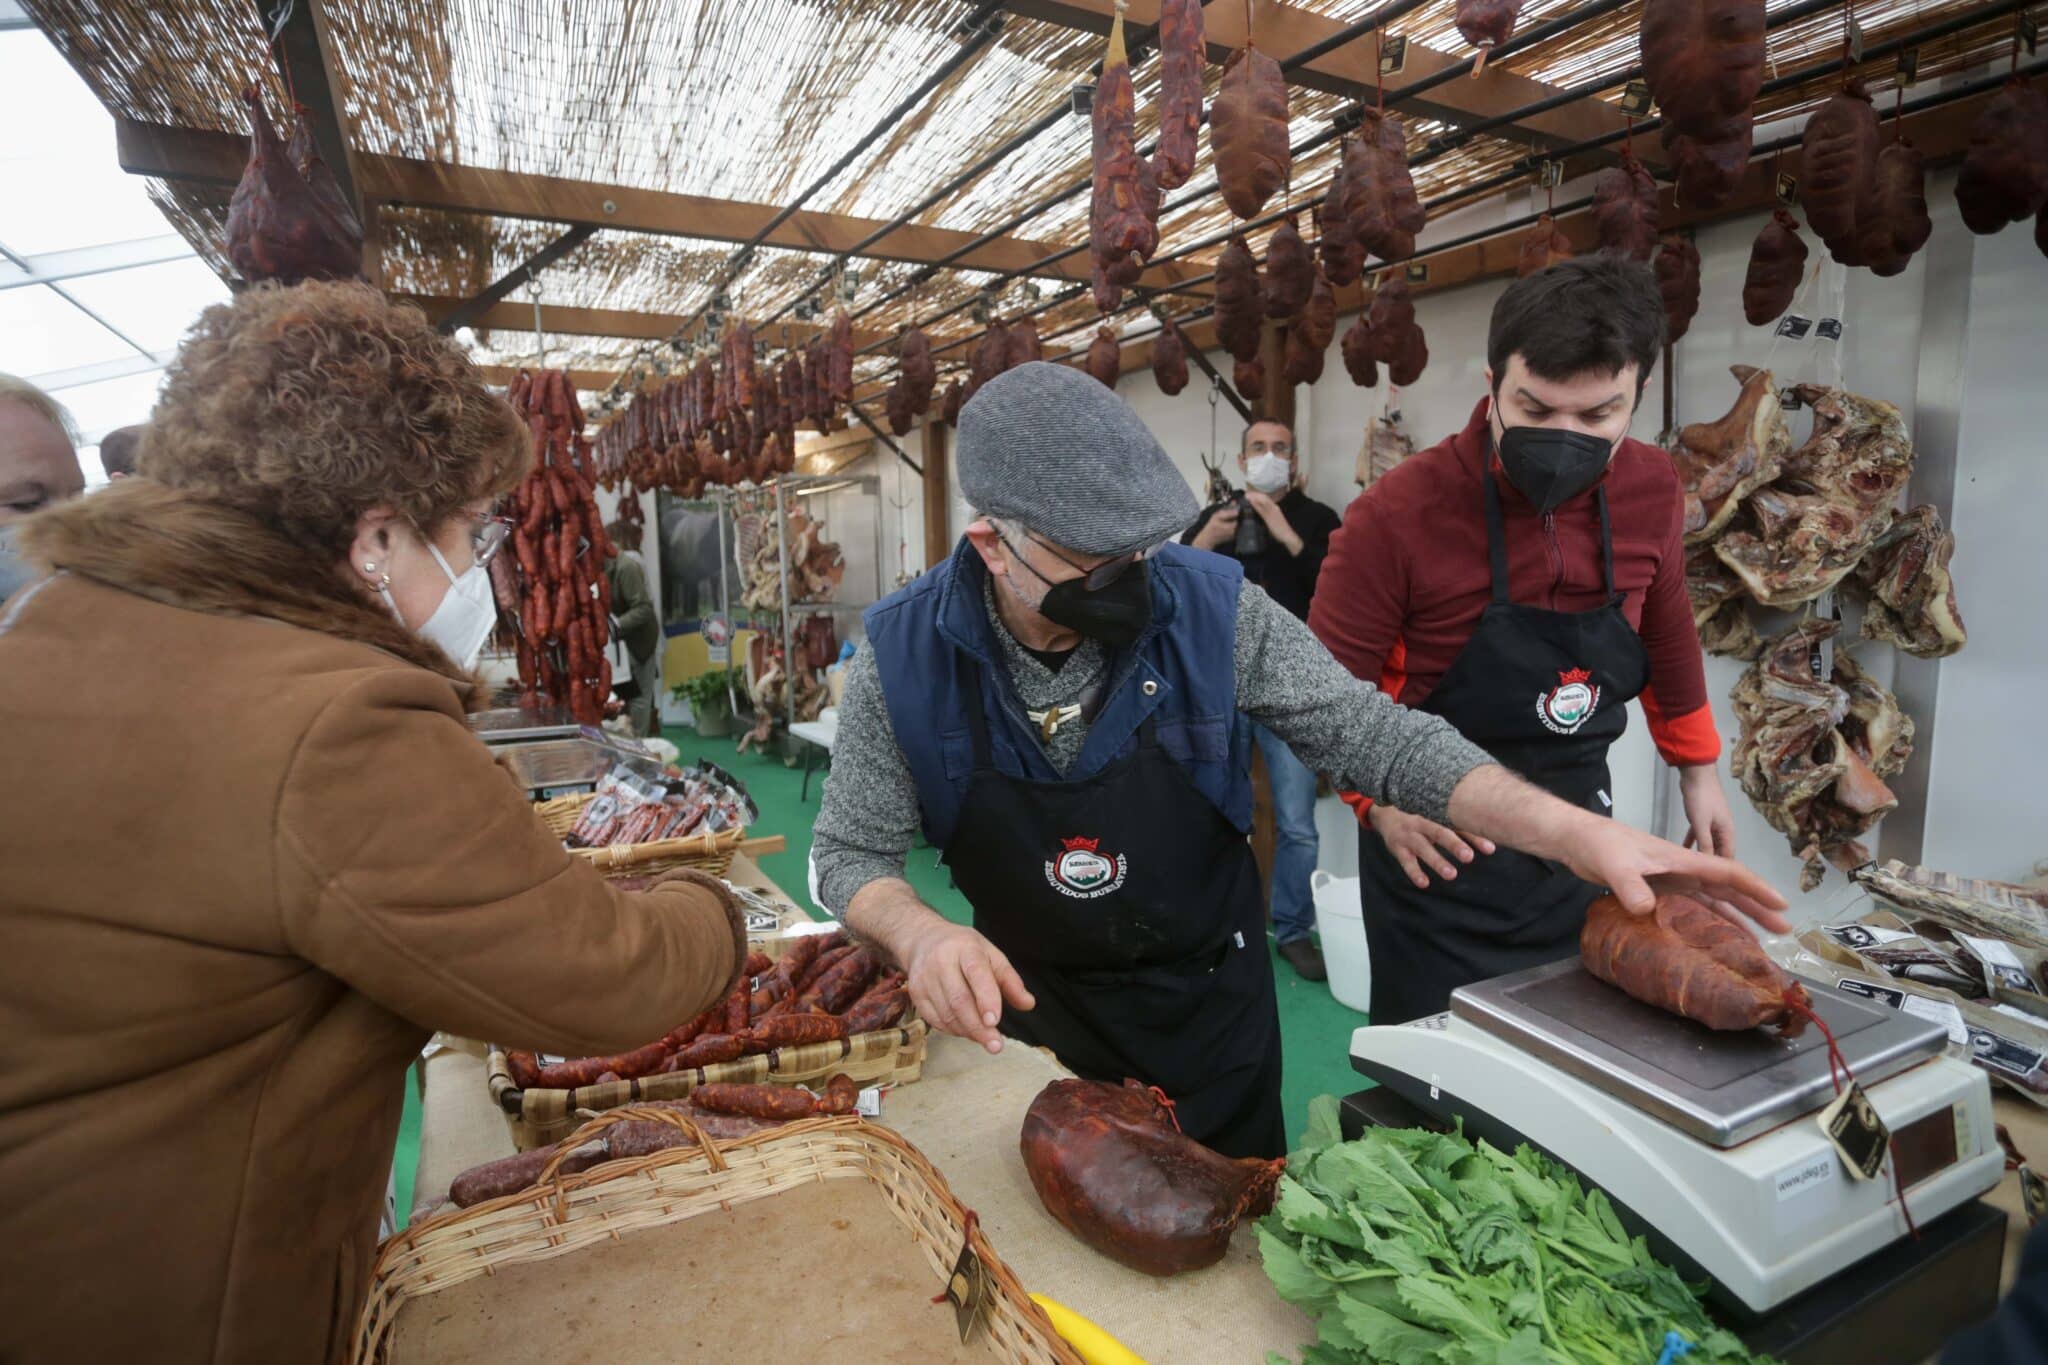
pixel 1286 681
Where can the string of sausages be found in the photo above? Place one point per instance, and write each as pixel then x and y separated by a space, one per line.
pixel 821 990
pixel 560 596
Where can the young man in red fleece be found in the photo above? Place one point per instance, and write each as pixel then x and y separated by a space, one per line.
pixel 1524 579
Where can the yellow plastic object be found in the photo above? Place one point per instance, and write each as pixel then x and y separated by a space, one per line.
pixel 1094 1345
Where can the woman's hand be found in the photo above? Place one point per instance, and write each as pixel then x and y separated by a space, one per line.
pixel 1706 810
pixel 1417 843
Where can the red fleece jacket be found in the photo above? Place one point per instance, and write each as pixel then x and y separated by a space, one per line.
pixel 1406 576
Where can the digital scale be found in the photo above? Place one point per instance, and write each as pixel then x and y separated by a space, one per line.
pixel 1708 1142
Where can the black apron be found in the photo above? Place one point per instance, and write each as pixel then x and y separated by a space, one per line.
pixel 1131 908
pixel 1545 693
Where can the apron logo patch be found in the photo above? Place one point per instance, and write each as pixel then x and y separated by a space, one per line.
pixel 1083 872
pixel 1570 704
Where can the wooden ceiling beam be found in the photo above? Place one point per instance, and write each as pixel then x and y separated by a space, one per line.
pixel 1283 29
pixel 1941 134
pixel 217 158
pixel 628 324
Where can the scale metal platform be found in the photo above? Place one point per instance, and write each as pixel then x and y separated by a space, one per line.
pixel 521 724
pixel 1697 1135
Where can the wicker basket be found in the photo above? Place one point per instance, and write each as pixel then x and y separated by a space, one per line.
pixel 891 1056
pixel 706 852
pixel 561 1216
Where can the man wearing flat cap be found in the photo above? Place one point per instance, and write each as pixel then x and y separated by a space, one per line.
pixel 1065 707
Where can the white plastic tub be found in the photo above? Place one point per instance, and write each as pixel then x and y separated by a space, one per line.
pixel 1341 922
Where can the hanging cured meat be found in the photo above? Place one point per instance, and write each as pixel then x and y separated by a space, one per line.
pixel 896 404
pixel 2005 171
pixel 1704 62
pixel 1105 357
pixel 1381 204
pixel 1718 612
pixel 1898 226
pixel 1338 247
pixel 1361 354
pixel 1318 321
pixel 1120 234
pixel 1290 271
pixel 1181 60
pixel 1240 310
pixel 1814 752
pixel 949 410
pixel 839 350
pixel 1625 210
pixel 991 356
pixel 1688 959
pixel 1678 280
pixel 920 376
pixel 1395 336
pixel 1024 345
pixel 288 222
pixel 1833 498
pixel 1410 356
pixel 1839 148
pixel 1487 23
pixel 1248 131
pixel 1904 584
pixel 1544 246
pixel 1776 263
pixel 1109 1162
pixel 1722 462
pixel 1169 360
pixel 1302 359
pixel 1249 378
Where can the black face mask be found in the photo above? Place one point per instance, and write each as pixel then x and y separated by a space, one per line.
pixel 1551 466
pixel 1115 613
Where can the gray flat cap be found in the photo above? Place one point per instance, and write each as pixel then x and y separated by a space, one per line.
pixel 1048 446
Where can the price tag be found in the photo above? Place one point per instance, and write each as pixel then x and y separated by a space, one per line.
pixel 1081 100
pixel 1855 40
pixel 2030 32
pixel 1417 272
pixel 967 1289
pixel 1636 101
pixel 1794 326
pixel 1549 175
pixel 1830 329
pixel 1908 66
pixel 869 1104
pixel 1393 54
pixel 1856 1131
pixel 1788 188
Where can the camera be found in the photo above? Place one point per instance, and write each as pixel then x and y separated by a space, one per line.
pixel 1252 536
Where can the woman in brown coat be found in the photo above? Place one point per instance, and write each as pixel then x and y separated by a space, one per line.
pixel 250 855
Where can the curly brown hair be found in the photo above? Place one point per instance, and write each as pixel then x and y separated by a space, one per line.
pixel 306 405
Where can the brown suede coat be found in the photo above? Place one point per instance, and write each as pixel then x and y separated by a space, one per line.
pixel 249 857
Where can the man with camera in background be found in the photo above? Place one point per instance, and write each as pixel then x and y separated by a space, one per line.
pixel 1280 534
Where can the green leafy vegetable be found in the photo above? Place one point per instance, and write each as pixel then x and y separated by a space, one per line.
pixel 1412 1247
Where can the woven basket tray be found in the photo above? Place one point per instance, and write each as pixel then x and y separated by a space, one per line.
pixel 707 852
pixel 646 1266
pixel 891 1056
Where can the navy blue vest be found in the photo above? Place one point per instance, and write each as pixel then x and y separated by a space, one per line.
pixel 929 637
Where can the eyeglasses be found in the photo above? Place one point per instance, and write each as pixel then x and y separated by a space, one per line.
pixel 1095 579
pixel 492 531
pixel 1280 448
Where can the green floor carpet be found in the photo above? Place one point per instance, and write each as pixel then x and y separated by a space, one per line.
pixel 1315 1030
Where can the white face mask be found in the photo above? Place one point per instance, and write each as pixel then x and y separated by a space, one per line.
pixel 467 614
pixel 1268 473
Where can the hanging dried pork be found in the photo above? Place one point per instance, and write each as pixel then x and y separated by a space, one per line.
pixel 1181 60
pixel 287 222
pixel 839 349
pixel 1839 190
pixel 1904 584
pixel 1290 271
pixel 1544 246
pixel 1625 210
pixel 991 356
pixel 956 394
pixel 1487 23
pixel 1361 354
pixel 1248 131
pixel 1105 357
pixel 1898 226
pixel 1776 262
pixel 1410 356
pixel 1318 321
pixel 1301 359
pixel 1240 311
pixel 1023 345
pixel 920 376
pixel 1678 280
pixel 2005 171
pixel 1342 255
pixel 1248 377
pixel 1169 360
pixel 1380 196
pixel 1704 62
pixel 1120 234
pixel 1722 462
